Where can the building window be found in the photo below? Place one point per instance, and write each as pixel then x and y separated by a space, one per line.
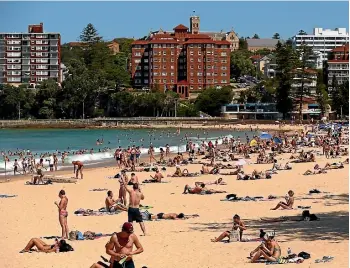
pixel 137 61
pixel 223 61
pixel 145 67
pixel 191 67
pixel 137 53
pixel 164 59
pixel 164 53
pixel 172 74
pixel 208 74
pixel 138 67
pixel 192 81
pixel 172 60
pixel 199 87
pixel 223 68
pixel 172 67
pixel 199 60
pixel 191 45
pixel 164 81
pixel 172 81
pixel 145 60
pixel 155 74
pixel 223 74
pixel 199 74
pixel 191 74
pixel 164 67
pixel 137 81
pixel 215 74
pixel 199 53
pixel 145 81
pixel 172 53
pixel 191 53
pixel 155 67
pixel 191 59
pixel 137 74
pixel 199 80
pixel 199 67
pixel 164 74
pixel 223 54
pixel 145 53
pixel 223 81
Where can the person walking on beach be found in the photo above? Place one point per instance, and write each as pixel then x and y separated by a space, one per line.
pixel 55 161
pixel 79 166
pixel 151 154
pixel 62 213
pixel 120 248
pixel 15 167
pixel 135 197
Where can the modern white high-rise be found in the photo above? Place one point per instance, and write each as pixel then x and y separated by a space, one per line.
pixel 322 41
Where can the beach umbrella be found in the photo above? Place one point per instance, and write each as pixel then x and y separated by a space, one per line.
pixel 277 140
pixel 241 162
pixel 253 143
pixel 265 136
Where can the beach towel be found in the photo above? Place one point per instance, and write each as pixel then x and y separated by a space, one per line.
pixel 7 196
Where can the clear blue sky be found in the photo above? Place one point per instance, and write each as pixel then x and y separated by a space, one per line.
pixel 136 19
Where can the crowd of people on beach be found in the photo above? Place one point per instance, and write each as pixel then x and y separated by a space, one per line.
pixel 232 155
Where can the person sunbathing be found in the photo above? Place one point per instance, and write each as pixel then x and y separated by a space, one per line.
pixel 199 187
pixel 235 172
pixel 334 166
pixel 289 202
pixel 178 172
pixel 59 246
pixel 217 182
pixel 269 250
pixel 215 170
pixel 205 169
pixel 112 205
pixel 156 179
pixel 238 225
pixel 171 216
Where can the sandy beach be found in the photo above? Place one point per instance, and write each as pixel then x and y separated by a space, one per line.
pixel 182 243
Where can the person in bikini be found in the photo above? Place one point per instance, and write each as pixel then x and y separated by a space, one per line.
pixel 63 214
pixel 269 250
pixel 79 168
pixel 40 245
pixel 171 216
pixel 199 187
pixel 122 192
pixel 238 224
pixel 289 202
pixel 120 247
pixel 112 205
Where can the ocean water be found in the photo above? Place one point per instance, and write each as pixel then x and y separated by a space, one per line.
pixel 60 140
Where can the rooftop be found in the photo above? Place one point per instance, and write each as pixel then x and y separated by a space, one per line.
pixel 265 42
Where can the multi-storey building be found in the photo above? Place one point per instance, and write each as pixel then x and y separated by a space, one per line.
pixel 183 61
pixel 338 66
pixel 322 42
pixel 264 43
pixel 29 57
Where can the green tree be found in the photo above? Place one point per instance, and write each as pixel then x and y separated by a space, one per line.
pixel 242 44
pixel 124 44
pixel 263 52
pixel 211 100
pixel 302 32
pixel 340 99
pixel 255 36
pixel 276 36
pixel 89 34
pixel 286 59
pixel 240 64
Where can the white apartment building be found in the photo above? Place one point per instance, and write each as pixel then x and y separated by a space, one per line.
pixel 322 41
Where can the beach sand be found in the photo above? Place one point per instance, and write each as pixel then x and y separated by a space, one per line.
pixel 181 243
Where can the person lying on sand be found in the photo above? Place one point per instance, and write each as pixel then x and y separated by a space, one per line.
pixel 59 246
pixel 156 179
pixel 334 165
pixel 178 172
pixel 205 169
pixel 269 250
pixel 171 216
pixel 238 225
pixel 289 199
pixel 112 205
pixel 217 182
pixel 200 189
pixel 317 170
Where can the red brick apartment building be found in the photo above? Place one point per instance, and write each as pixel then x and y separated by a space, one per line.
pixel 29 57
pixel 183 61
pixel 338 66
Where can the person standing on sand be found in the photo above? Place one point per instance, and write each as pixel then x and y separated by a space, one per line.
pixel 15 167
pixel 79 166
pixel 122 192
pixel 62 213
pixel 120 247
pixel 135 197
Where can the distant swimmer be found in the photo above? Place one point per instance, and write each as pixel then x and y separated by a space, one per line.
pixel 78 167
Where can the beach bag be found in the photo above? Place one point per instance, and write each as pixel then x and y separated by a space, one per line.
pixel 304 255
pixel 73 235
pixel 79 236
pixel 64 247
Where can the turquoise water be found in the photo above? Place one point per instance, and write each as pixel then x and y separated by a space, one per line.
pixel 59 140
